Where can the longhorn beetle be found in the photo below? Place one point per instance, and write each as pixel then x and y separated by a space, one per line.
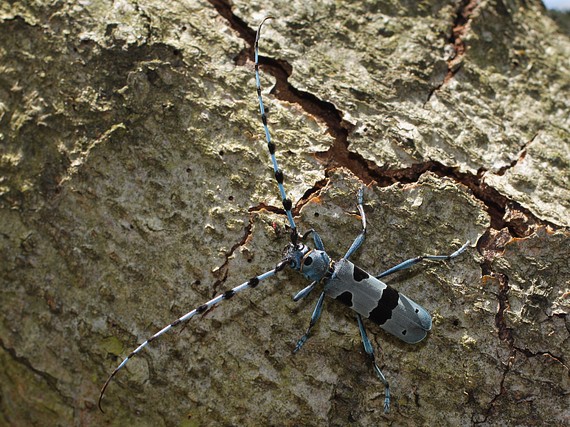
pixel 342 280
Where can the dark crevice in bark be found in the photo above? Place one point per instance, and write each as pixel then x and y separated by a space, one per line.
pixel 458 31
pixel 502 391
pixel 492 245
pixel 459 28
pixel 323 110
pixel 521 155
pixel 505 333
pixel 222 271
pixel 504 212
pixel 49 379
pixel 224 8
pixel 492 242
pixel 529 354
pixel 312 192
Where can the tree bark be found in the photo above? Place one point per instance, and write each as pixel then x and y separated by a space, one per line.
pixel 136 185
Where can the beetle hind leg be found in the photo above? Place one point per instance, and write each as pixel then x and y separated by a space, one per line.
pixel 370 352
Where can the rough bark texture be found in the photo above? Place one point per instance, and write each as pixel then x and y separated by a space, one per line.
pixel 135 185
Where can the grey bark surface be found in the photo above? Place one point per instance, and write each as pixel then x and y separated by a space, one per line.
pixel 136 185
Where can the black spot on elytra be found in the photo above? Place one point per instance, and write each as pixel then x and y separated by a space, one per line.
pixel 308 261
pixel 387 303
pixel 359 275
pixel 345 298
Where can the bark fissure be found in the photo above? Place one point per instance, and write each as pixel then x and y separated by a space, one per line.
pixel 222 270
pixel 505 333
pixel 520 222
pixel 459 28
pixel 520 156
pixel 502 391
pixel 530 354
pixel 49 379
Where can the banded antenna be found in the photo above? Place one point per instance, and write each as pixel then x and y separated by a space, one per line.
pixel 279 177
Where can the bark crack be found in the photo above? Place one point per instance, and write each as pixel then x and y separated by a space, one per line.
pixel 505 333
pixel 49 379
pixel 310 194
pixel 504 212
pixel 502 391
pixel 530 354
pixel 490 245
pixel 460 27
pixel 222 270
pixel 520 156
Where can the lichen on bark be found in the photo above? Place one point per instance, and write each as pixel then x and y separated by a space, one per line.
pixel 136 185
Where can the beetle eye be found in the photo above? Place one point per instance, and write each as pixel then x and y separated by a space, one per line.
pixel 308 261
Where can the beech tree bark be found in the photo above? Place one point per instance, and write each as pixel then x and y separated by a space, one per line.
pixel 136 185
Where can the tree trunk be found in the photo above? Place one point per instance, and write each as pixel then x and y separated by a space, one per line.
pixel 136 185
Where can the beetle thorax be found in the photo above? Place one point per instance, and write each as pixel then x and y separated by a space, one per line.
pixel 315 265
